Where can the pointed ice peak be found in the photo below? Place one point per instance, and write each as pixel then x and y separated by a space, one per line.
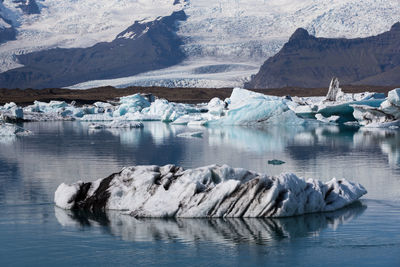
pixel 334 90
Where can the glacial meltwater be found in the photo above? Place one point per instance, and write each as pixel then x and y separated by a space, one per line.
pixel 33 232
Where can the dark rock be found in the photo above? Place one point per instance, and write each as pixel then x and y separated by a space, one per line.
pixel 29 7
pixel 307 61
pixel 7 34
pixel 140 48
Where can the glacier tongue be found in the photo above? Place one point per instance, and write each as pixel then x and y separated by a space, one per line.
pixel 211 191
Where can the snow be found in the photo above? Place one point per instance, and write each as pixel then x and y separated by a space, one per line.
pixel 211 191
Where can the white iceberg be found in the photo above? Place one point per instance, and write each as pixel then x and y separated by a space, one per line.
pixel 216 106
pixel 191 135
pixel 116 124
pixel 331 119
pixel 246 107
pixel 211 191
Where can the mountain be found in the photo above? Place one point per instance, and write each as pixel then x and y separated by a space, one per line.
pixel 223 42
pixel 308 61
pixel 141 47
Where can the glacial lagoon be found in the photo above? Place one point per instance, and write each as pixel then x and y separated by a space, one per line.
pixel 35 232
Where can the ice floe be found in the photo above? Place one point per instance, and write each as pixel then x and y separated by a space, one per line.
pixel 191 135
pixel 211 191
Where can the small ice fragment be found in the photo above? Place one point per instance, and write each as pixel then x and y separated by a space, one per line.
pixel 191 134
pixel 276 162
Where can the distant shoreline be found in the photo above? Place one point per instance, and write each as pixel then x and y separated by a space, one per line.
pixel 182 95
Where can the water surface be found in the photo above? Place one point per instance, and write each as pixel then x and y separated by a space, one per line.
pixel 34 232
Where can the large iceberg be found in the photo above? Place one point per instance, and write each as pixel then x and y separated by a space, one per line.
pixel 211 191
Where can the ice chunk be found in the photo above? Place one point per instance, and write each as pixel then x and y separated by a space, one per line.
pixel 116 124
pixel 386 115
pixel 330 119
pixel 334 92
pixel 276 162
pixel 247 107
pixel 98 117
pixel 211 191
pixel 216 106
pixel 136 100
pixel 191 134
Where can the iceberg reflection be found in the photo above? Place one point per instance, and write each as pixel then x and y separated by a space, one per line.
pixel 222 231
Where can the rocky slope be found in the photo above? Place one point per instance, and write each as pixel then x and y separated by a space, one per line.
pixel 142 47
pixel 308 61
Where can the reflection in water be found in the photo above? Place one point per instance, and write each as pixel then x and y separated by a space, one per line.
pixel 388 140
pixel 223 231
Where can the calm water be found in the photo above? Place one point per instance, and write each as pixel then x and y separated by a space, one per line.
pixel 34 232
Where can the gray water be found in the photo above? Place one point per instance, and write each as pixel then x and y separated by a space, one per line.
pixel 35 233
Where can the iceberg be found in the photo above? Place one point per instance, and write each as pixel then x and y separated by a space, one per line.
pixel 191 135
pixel 116 124
pixel 246 107
pixel 211 191
pixel 385 116
pixel 331 119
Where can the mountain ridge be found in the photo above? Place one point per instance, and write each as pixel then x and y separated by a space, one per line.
pixel 155 45
pixel 309 61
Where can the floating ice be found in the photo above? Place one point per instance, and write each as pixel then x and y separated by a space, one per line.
pixel 243 107
pixel 331 119
pixel 386 115
pixel 191 134
pixel 246 107
pixel 116 124
pixel 216 106
pixel 276 162
pixel 211 191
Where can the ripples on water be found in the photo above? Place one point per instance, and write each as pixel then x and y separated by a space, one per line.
pixel 32 167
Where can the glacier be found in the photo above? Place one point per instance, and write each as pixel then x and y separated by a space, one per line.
pixel 215 32
pixel 210 191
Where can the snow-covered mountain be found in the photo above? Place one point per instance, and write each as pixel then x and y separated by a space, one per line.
pixel 224 41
